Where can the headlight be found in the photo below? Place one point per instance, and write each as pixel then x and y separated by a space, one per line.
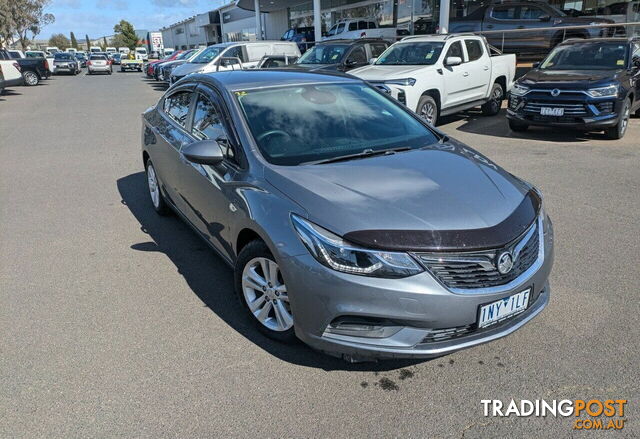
pixel 602 92
pixel 330 250
pixel 519 90
pixel 405 82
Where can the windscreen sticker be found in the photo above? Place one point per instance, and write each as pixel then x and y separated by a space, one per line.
pixel 334 56
pixel 241 93
pixel 428 55
pixel 620 62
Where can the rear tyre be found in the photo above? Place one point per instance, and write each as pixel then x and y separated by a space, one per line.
pixel 262 291
pixel 518 126
pixel 493 105
pixel 618 131
pixel 428 109
pixel 30 78
pixel 153 184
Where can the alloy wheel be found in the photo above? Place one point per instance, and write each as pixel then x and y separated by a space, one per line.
pixel 30 78
pixel 428 112
pixel 266 294
pixel 154 189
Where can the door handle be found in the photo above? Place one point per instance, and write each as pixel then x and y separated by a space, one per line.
pixel 465 74
pixel 520 27
pixel 489 26
pixel 486 67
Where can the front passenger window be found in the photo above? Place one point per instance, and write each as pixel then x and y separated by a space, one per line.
pixel 455 50
pixel 207 124
pixel 357 56
pixel 177 107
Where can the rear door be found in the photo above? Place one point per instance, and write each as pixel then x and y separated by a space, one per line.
pixel 478 67
pixel 170 127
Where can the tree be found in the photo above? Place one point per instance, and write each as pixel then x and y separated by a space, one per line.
pixel 19 18
pixel 59 41
pixel 129 37
pixel 119 41
pixel 104 43
pixel 86 38
pixel 74 42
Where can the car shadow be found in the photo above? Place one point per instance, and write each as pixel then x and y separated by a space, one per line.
pixel 211 279
pixel 497 126
pixel 9 92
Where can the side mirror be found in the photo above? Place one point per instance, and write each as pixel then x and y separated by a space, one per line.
pixel 544 18
pixel 373 60
pixel 453 61
pixel 204 152
pixel 535 65
pixel 636 62
pixel 325 34
pixel 350 63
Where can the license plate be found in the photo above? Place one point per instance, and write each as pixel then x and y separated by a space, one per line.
pixel 549 111
pixel 503 308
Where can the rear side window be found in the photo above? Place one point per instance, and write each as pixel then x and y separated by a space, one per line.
pixel 474 49
pixel 377 49
pixel 177 107
pixel 504 13
pixel 353 26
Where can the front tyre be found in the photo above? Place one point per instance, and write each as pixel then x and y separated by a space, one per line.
pixel 428 109
pixel 153 184
pixel 493 105
pixel 518 126
pixel 262 291
pixel 618 131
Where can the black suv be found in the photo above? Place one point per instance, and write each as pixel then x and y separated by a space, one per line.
pixel 341 55
pixel 590 85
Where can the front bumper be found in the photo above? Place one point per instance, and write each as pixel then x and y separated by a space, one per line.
pixel 417 307
pixel 580 111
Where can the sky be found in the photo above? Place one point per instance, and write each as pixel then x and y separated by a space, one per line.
pixel 96 18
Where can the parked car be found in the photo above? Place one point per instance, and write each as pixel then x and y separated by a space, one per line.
pixel 591 85
pixel 42 54
pixel 528 15
pixel 16 54
pixel 276 61
pixel 141 54
pixel 82 59
pixel 31 69
pixel 233 55
pixel 150 66
pixel 1 80
pixel 342 55
pixel 66 62
pixel 443 74
pixel 10 70
pixel 303 36
pixel 279 172
pixel 117 58
pixel 99 64
pixel 162 70
pixel 129 63
pixel 353 28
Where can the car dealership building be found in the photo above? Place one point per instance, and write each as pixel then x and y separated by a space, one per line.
pixel 237 20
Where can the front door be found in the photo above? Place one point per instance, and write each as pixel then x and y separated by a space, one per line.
pixel 209 191
pixel 455 77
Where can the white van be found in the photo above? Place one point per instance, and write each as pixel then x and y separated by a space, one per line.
pixel 124 50
pixel 233 56
pixel 111 50
pixel 95 49
pixel 71 50
pixel 142 54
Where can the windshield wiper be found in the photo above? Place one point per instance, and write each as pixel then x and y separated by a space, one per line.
pixel 359 155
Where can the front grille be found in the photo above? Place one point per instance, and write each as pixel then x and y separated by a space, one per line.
pixel 570 109
pixel 472 270
pixel 436 335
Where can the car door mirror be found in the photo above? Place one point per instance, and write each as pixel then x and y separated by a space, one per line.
pixel 544 18
pixel 535 65
pixel 373 60
pixel 350 63
pixel 453 61
pixel 636 62
pixel 204 152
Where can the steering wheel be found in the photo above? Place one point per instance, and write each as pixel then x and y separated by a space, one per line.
pixel 273 133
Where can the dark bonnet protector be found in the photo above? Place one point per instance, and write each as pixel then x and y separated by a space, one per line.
pixel 453 240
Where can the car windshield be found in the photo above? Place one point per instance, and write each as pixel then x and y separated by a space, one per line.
pixel 297 124
pixel 324 54
pixel 184 54
pixel 411 53
pixel 207 55
pixel 587 56
pixel 62 56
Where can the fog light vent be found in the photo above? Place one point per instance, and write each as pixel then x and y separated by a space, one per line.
pixel 362 327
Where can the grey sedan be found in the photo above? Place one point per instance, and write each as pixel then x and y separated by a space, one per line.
pixel 350 223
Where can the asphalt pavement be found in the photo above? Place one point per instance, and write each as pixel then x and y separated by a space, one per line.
pixel 117 322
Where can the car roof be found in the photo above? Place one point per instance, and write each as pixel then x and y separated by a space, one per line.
pixel 252 79
pixel 598 40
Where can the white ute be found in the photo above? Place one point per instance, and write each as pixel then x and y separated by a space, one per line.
pixel 437 75
pixel 354 28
